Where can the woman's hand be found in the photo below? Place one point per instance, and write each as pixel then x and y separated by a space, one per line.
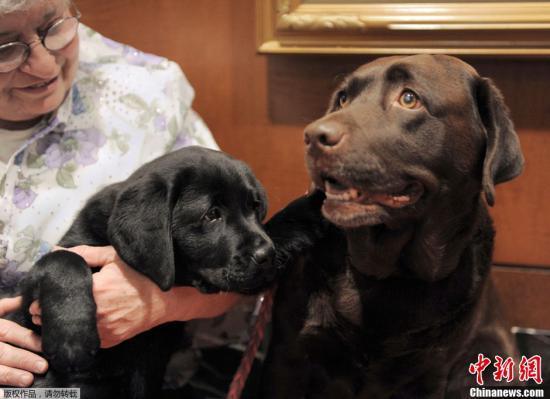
pixel 129 303
pixel 16 362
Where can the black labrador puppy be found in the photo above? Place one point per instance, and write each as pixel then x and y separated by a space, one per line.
pixel 387 292
pixel 192 217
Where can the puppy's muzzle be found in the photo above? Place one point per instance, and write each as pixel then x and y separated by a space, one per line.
pixel 263 255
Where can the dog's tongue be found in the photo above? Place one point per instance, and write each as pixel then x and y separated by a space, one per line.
pixel 337 192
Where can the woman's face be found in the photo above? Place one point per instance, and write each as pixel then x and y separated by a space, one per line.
pixel 40 84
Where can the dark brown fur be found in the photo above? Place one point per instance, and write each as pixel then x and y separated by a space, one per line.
pixel 388 294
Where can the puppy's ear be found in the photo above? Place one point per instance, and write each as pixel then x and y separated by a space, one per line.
pixel 139 229
pixel 503 157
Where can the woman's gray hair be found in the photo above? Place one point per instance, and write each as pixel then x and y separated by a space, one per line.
pixel 8 6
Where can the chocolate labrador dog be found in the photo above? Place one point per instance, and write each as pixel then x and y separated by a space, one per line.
pixel 192 217
pixel 387 290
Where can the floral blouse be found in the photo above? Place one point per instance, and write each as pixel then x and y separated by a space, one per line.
pixel 125 108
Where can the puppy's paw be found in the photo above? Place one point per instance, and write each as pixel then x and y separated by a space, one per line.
pixel 73 351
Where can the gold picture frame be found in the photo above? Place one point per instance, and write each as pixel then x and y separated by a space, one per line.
pixel 393 27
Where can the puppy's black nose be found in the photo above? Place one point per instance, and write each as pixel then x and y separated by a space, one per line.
pixel 324 134
pixel 263 254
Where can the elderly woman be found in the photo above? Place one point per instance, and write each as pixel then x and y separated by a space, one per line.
pixel 78 112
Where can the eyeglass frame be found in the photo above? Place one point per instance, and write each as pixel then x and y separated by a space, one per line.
pixel 42 38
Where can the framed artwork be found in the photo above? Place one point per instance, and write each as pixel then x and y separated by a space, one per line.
pixel 396 27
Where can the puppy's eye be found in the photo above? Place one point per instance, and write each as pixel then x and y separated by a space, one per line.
pixel 212 215
pixel 343 99
pixel 257 205
pixel 259 208
pixel 409 99
pixel 254 205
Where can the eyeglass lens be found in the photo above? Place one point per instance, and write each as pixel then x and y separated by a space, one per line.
pixel 56 38
pixel 12 55
pixel 61 34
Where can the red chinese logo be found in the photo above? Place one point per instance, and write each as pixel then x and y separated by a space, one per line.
pixel 478 368
pixel 504 369
pixel 529 368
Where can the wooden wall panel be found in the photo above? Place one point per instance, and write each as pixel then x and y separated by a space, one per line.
pixel 257 107
pixel 524 295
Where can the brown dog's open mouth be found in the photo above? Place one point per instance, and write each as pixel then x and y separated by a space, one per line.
pixel 408 195
pixel 349 206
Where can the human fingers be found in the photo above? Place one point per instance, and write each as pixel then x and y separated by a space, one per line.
pixel 127 303
pixel 12 377
pixel 8 305
pixel 17 363
pixel 36 313
pixel 15 334
pixel 95 256
pixel 35 309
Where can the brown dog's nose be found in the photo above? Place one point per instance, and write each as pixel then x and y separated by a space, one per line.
pixel 324 134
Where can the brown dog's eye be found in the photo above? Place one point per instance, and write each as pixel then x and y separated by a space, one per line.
pixel 212 215
pixel 343 99
pixel 409 99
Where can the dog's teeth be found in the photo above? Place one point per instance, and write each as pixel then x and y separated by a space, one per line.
pixel 333 193
pixel 400 199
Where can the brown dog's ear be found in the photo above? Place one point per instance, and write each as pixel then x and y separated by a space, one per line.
pixel 503 157
pixel 139 229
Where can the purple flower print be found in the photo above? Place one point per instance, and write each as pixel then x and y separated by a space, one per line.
pixel 86 154
pixel 92 135
pixel 79 145
pixel 19 158
pixel 78 106
pixel 56 156
pixel 9 275
pixel 45 142
pixel 89 142
pixel 23 197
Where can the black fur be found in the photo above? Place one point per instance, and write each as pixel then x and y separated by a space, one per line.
pixel 191 217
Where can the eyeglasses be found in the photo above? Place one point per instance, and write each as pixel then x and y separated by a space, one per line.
pixel 55 38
